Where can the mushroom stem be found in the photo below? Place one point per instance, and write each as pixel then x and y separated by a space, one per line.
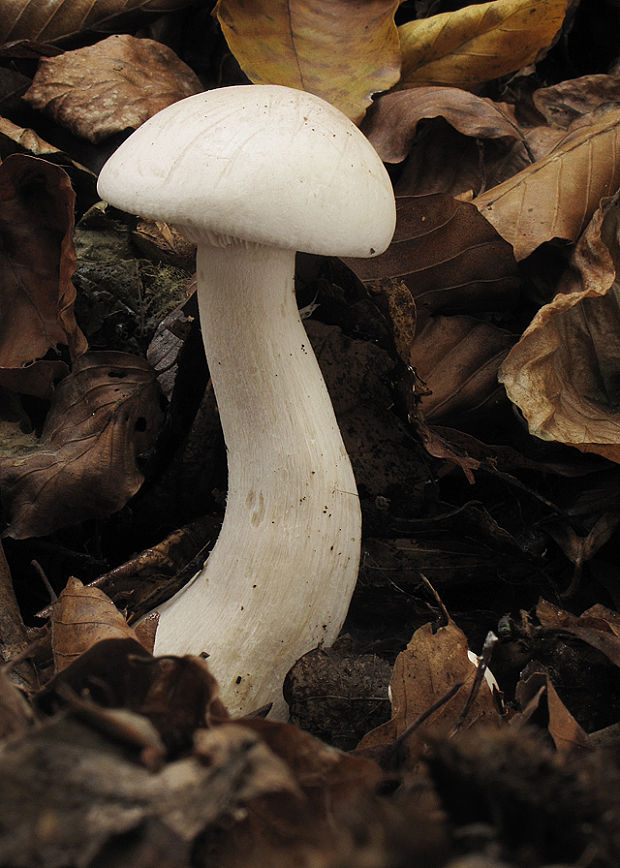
pixel 279 580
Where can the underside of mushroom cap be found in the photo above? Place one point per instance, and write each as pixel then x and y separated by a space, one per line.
pixel 262 163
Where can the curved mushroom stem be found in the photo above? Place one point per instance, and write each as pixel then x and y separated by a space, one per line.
pixel 280 577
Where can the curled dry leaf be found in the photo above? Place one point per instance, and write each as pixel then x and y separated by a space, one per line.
pixel 481 42
pixel 598 626
pixel 87 788
pixel 392 123
pixel 82 617
pixel 103 415
pixel 56 19
pixel 111 86
pixel 563 103
pixel 458 358
pixel 303 44
pixel 534 688
pixel 450 259
pixel 557 195
pixel 563 372
pixel 37 261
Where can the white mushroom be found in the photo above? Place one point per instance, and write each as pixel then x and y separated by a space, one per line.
pixel 252 174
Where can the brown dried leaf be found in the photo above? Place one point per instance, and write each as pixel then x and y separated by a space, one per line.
pixel 473 45
pixel 392 123
pixel 535 685
pixel 57 19
pixel 103 415
pixel 434 662
pixel 458 358
pixel 285 831
pixel 16 715
pixel 557 195
pixel 563 373
pixel 563 103
pixel 598 626
pixel 111 86
pixel 178 695
pixel 449 257
pixel 72 795
pixel 341 51
pixel 82 617
pixel 37 260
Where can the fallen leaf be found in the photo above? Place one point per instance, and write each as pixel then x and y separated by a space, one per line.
pixel 470 46
pixel 435 662
pixel 563 372
pixel 457 358
pixel 72 794
pixel 57 19
pixel 392 123
pixel 103 415
pixel 449 258
pixel 557 195
pixel 598 626
pixel 535 687
pixel 37 261
pixel 562 103
pixel 111 86
pixel 341 51
pixel 82 617
pixel 178 695
pixel 16 714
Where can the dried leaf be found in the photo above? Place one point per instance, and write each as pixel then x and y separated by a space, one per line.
pixel 178 695
pixel 82 617
pixel 103 414
pixel 535 685
pixel 557 195
pixel 16 715
pixel 470 46
pixel 450 259
pixel 563 103
pixel 392 123
pixel 563 373
pixel 341 51
pixel 37 260
pixel 71 795
pixel 111 86
pixel 434 662
pixel 598 626
pixel 57 19
pixel 458 358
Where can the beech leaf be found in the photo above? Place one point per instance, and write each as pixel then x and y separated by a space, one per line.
pixel 57 19
pixel 103 414
pixel 448 256
pixel 563 373
pixel 341 51
pixel 111 86
pixel 556 196
pixel 392 123
pixel 37 261
pixel 82 617
pixel 470 46
pixel 458 358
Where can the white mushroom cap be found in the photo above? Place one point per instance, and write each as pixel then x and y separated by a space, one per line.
pixel 262 163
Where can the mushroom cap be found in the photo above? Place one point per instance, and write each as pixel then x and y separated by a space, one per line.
pixel 262 163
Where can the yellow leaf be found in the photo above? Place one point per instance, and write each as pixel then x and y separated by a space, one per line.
pixel 467 47
pixel 341 51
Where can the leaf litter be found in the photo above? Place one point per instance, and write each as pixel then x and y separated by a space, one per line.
pixel 473 371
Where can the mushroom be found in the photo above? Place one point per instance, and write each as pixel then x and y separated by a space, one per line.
pixel 253 174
